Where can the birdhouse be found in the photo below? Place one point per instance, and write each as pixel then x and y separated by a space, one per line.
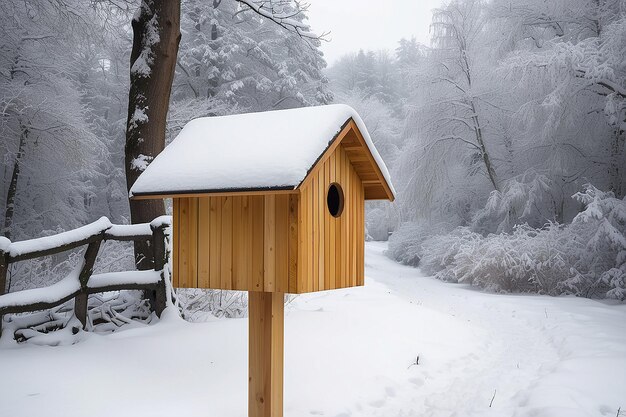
pixel 269 203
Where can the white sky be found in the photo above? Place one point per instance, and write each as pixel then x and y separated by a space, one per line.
pixel 369 24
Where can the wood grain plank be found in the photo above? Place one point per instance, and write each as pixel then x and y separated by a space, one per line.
pixel 204 243
pixel 226 261
pixel 322 210
pixel 215 232
pixel 321 216
pixel 193 243
pixel 303 264
pixel 257 219
pixel 302 244
pixel 317 256
pixel 183 244
pixel 357 235
pixel 175 241
pixel 248 236
pixel 340 255
pixel 282 243
pixel 361 201
pixel 329 220
pixel 269 244
pixel 348 209
pixel 238 246
pixel 345 240
pixel 355 230
pixel 294 241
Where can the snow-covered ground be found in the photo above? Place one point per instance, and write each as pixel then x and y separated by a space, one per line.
pixel 347 353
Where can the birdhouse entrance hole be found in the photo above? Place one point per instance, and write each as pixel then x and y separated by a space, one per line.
pixel 334 199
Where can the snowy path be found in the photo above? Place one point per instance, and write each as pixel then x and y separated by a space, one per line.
pixel 348 353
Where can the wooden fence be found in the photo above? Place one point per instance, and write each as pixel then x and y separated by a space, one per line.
pixel 82 282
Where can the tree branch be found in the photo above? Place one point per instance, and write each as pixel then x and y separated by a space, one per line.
pixel 446 138
pixel 287 21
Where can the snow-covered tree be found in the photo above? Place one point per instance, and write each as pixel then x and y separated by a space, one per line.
pixel 238 58
pixel 49 150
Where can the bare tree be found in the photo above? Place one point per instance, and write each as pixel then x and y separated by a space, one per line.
pixel 454 28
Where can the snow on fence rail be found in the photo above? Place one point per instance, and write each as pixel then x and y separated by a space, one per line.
pixel 81 282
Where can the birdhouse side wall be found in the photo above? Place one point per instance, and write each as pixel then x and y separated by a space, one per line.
pixel 246 243
pixel 331 249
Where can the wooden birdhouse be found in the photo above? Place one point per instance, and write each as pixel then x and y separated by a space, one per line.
pixel 270 203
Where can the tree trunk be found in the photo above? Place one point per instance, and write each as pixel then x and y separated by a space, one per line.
pixel 478 132
pixel 616 163
pixel 10 201
pixel 491 173
pixel 156 35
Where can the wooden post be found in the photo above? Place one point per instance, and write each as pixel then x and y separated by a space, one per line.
pixel 157 297
pixel 158 247
pixel 265 354
pixel 81 300
pixel 4 267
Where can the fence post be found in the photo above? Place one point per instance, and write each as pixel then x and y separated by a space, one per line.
pixel 81 300
pixel 157 297
pixel 4 267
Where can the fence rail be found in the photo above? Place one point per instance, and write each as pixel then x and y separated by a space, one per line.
pixel 81 282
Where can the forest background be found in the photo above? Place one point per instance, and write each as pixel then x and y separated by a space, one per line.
pixel 505 135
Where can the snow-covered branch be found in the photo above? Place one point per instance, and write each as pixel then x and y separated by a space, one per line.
pixel 290 20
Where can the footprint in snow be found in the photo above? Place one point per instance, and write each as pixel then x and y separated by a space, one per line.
pixel 377 403
pixel 416 381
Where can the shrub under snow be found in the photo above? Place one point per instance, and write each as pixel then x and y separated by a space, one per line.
pixel 405 244
pixel 586 257
pixel 602 228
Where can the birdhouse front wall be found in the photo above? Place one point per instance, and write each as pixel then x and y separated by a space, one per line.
pixel 275 242
pixel 331 250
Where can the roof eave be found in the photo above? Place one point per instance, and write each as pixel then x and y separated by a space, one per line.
pixel 214 192
pixel 348 126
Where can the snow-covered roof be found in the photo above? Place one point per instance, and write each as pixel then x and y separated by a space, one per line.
pixel 271 150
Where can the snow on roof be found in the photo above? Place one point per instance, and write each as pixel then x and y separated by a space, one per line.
pixel 266 150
